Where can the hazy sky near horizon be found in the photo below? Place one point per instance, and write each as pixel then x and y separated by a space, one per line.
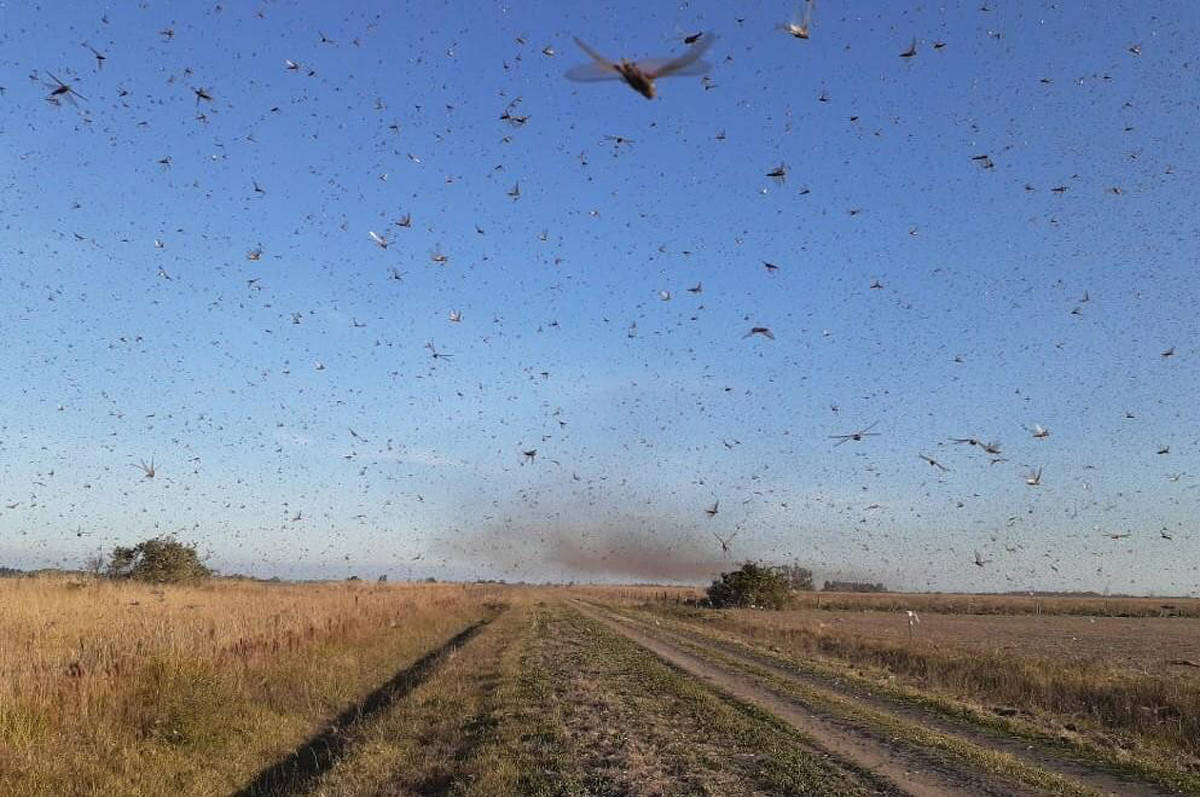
pixel 188 277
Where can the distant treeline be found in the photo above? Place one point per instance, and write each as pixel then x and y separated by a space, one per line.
pixel 797 577
pixel 852 586
pixel 1088 594
pixel 10 572
pixel 1053 594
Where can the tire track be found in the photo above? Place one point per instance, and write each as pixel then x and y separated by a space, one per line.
pixel 1093 776
pixel 308 762
pixel 907 769
pixel 863 753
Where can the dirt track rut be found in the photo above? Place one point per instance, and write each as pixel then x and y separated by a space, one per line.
pixel 908 770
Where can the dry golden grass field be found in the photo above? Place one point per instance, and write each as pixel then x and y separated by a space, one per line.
pixel 113 688
pixel 239 687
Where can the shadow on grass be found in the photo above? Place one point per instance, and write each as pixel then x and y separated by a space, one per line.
pixel 309 761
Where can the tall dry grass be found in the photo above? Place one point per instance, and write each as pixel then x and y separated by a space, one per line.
pixel 627 594
pixel 951 603
pixel 928 602
pixel 128 688
pixel 1119 704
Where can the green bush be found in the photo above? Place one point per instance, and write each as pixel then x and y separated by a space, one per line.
pixel 160 560
pixel 752 586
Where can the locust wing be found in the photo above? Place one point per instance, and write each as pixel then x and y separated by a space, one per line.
pixel 687 64
pixel 600 69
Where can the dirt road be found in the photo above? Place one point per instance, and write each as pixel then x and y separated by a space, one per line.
pixel 969 762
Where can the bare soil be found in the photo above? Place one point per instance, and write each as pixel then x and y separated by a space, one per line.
pixel 913 771
pixel 1147 644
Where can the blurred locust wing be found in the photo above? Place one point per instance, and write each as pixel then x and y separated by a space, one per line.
pixel 687 64
pixel 600 69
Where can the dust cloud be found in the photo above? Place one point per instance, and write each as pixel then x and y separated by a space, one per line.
pixel 629 556
pixel 627 548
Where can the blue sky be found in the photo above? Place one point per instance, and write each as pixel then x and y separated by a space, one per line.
pixel 138 326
